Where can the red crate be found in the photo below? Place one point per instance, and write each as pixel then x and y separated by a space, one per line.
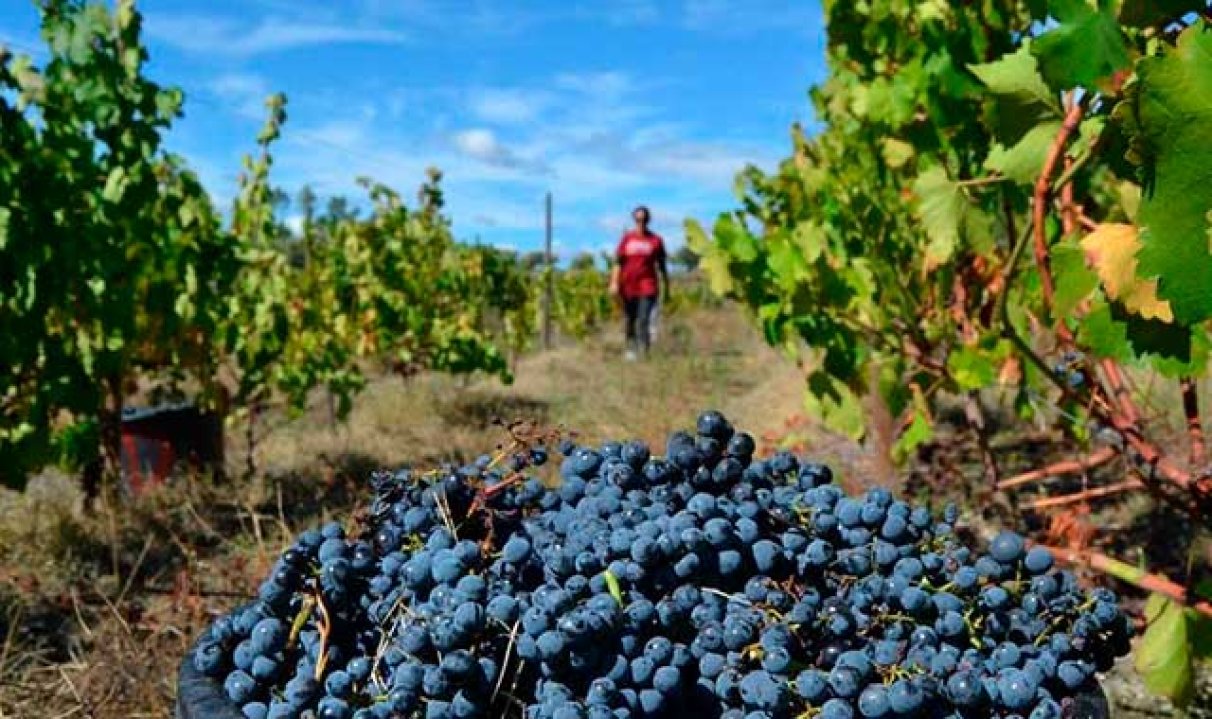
pixel 155 439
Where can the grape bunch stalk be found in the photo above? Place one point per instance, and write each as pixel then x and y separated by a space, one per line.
pixel 704 582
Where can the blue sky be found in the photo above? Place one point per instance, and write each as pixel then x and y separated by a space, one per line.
pixel 605 103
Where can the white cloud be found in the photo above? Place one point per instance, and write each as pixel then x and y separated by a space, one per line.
pixel 598 143
pixel 345 134
pixel 607 84
pixel 508 105
pixel 205 34
pixel 481 144
pixel 245 93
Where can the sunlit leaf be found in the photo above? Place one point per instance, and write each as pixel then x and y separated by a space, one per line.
pixel 1112 250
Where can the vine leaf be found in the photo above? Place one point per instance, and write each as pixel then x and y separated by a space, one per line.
pixel 1103 333
pixel 972 367
pixel 942 211
pixel 810 238
pixel 713 261
pixel 1074 280
pixel 1171 112
pixel 1083 49
pixel 1023 98
pixel 948 217
pixel 1164 655
pixel 1016 76
pixel 897 152
pixel 920 429
pixel 786 261
pixel 836 404
pixel 1023 162
pixel 1112 248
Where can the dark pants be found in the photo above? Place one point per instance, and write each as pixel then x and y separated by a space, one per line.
pixel 638 311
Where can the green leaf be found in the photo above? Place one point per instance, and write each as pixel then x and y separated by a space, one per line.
pixel 836 404
pixel 1074 280
pixel 1016 77
pixel 1172 112
pixel 941 210
pixel 919 432
pixel 972 368
pixel 889 101
pixel 1084 48
pixel 897 152
pixel 115 184
pixel 785 260
pixel 1173 350
pixel 714 262
pixel 1104 335
pixel 810 238
pixel 735 240
pixel 1163 657
pixel 1023 162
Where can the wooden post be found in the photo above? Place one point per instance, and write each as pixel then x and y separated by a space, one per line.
pixel 549 289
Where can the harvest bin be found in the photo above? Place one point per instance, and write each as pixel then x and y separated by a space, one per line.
pixel 155 439
pixel 200 697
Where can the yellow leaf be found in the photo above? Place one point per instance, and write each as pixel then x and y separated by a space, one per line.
pixel 1111 249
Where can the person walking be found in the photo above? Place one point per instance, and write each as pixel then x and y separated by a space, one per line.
pixel 638 278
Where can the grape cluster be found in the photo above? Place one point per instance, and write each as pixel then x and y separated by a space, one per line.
pixel 1071 369
pixel 703 582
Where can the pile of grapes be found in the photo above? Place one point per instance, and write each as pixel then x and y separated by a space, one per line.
pixel 704 583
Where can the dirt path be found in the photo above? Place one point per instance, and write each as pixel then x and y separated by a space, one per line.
pixel 711 359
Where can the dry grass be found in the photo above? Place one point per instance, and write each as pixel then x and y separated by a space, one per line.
pixel 95 612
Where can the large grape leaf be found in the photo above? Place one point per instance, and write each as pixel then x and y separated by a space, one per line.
pixel 1171 109
pixel 1112 250
pixel 1085 47
pixel 1164 655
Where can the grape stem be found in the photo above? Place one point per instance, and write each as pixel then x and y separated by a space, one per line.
pixel 1195 429
pixel 1086 495
pixel 496 690
pixel 325 627
pixel 1068 466
pixel 300 621
pixel 1043 189
pixel 1156 583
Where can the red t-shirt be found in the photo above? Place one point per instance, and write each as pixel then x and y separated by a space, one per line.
pixel 638 258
